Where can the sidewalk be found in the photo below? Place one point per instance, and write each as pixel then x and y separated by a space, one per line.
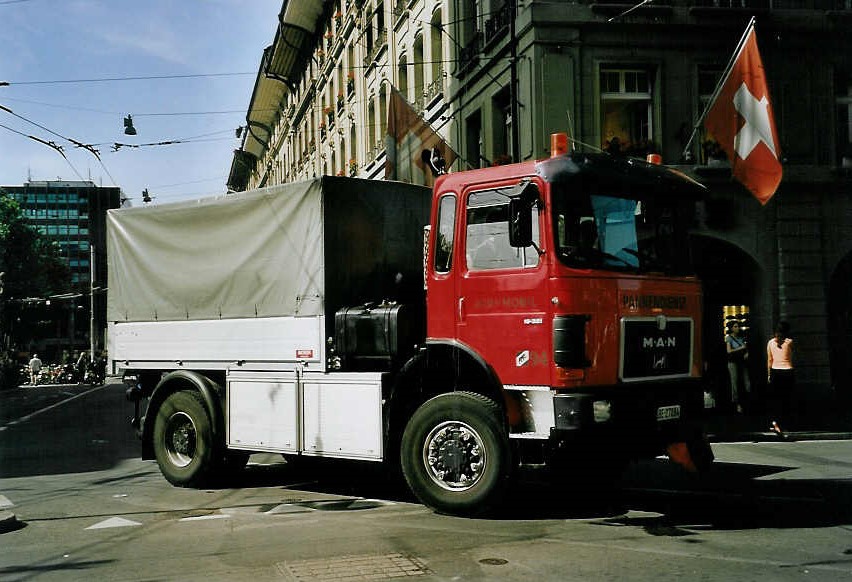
pixel 819 421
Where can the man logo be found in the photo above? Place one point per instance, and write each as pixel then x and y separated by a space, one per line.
pixel 660 342
pixel 522 359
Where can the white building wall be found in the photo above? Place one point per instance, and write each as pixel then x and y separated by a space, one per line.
pixel 306 143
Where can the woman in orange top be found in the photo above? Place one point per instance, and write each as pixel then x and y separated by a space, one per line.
pixel 779 369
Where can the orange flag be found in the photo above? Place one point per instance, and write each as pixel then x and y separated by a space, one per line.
pixel 408 137
pixel 741 120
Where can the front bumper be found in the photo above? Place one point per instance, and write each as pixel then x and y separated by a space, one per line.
pixel 643 417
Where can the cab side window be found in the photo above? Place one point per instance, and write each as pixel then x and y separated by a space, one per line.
pixel 446 234
pixel 487 235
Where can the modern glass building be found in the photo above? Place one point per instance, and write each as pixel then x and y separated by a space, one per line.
pixel 73 215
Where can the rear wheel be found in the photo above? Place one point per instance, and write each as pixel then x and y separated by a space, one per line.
pixel 183 440
pixel 455 454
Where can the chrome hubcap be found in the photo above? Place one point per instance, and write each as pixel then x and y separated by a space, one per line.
pixel 454 456
pixel 180 439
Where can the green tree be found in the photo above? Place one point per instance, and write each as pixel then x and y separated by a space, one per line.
pixel 31 267
pixel 31 262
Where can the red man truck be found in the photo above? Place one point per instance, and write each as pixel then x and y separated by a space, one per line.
pixel 547 313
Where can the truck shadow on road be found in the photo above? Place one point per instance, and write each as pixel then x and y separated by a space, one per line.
pixel 737 496
pixel 657 496
pixel 83 433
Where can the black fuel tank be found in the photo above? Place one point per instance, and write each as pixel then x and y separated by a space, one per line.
pixel 375 337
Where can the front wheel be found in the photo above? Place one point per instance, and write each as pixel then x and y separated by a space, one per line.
pixel 455 455
pixel 183 440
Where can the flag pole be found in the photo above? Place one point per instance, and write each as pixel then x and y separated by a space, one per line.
pixel 722 79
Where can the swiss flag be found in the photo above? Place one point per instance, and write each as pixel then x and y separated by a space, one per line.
pixel 741 120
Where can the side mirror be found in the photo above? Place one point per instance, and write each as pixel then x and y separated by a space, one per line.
pixel 520 215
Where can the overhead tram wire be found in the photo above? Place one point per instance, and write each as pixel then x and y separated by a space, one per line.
pixel 216 75
pixel 162 186
pixel 50 144
pixel 358 40
pixel 116 145
pixel 121 79
pixel 143 114
pixel 88 147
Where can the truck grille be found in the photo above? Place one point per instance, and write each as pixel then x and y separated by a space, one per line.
pixel 655 348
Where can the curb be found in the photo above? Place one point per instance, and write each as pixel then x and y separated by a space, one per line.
pixel 8 522
pixel 771 437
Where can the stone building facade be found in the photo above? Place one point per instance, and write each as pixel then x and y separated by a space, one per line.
pixel 496 77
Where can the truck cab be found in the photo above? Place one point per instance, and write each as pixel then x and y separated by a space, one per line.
pixel 567 283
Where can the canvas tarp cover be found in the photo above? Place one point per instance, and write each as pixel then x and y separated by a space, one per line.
pixel 252 254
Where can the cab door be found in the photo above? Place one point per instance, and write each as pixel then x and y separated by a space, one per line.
pixel 503 310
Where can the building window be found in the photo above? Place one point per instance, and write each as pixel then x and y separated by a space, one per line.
pixel 502 108
pixel 380 18
pixel 626 111
pixel 371 124
pixel 473 18
pixel 419 88
pixel 383 109
pixel 402 76
pixel 473 134
pixel 843 84
pixel 369 36
pixel 471 32
pixel 353 144
pixel 436 53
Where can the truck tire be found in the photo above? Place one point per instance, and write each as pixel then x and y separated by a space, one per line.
pixel 455 455
pixel 183 440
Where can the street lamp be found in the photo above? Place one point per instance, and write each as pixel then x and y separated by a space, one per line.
pixel 128 126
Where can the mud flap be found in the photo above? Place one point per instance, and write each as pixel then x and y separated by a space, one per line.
pixel 695 455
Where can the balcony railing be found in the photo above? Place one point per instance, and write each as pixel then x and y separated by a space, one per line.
pixel 499 24
pixel 469 55
pixel 380 43
pixel 434 88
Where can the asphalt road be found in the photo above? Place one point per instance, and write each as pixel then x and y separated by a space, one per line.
pixel 87 507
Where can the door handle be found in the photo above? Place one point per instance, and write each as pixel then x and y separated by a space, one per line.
pixel 461 308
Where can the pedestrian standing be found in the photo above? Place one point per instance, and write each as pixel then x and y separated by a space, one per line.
pixel 35 368
pixel 737 349
pixel 781 375
pixel 80 367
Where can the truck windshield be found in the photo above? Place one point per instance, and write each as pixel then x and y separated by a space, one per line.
pixel 619 233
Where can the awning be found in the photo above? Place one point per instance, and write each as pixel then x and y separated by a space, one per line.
pixel 281 67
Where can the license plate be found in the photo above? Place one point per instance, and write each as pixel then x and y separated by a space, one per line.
pixel 668 412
